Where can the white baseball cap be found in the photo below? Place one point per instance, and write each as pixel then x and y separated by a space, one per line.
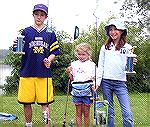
pixel 118 24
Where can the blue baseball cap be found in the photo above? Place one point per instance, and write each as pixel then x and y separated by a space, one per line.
pixel 41 7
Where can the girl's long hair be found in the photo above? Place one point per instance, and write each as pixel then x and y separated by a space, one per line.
pixel 121 43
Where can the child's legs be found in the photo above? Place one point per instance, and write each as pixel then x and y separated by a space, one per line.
pixel 107 90
pixel 79 115
pixel 28 113
pixel 86 112
pixel 123 98
pixel 82 106
pixel 44 95
pixel 46 107
pixel 26 96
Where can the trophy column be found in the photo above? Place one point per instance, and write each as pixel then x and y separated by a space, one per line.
pixel 19 46
pixel 130 61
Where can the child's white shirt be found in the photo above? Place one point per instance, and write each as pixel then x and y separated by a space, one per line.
pixel 83 71
pixel 112 63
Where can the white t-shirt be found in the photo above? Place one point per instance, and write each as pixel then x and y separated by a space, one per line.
pixel 83 71
pixel 112 63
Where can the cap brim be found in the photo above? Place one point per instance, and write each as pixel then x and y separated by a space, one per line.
pixel 107 30
pixel 39 9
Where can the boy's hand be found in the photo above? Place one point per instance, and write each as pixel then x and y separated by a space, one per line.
pixel 14 45
pixel 47 62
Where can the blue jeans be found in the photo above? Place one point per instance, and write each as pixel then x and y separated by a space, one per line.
pixel 120 89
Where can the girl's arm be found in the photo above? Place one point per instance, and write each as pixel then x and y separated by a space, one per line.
pixel 100 69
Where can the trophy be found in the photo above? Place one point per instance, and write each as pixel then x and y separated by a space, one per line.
pixel 130 61
pixel 20 45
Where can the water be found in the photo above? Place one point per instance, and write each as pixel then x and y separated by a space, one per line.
pixel 5 70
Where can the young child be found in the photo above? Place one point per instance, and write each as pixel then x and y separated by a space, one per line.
pixel 111 71
pixel 40 49
pixel 82 72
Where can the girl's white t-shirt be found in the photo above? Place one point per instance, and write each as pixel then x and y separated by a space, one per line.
pixel 83 71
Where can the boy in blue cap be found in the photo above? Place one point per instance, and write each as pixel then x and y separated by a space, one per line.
pixel 40 49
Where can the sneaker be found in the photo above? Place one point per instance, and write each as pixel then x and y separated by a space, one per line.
pixel 28 125
pixel 45 117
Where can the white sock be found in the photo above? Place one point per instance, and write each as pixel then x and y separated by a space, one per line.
pixel 29 124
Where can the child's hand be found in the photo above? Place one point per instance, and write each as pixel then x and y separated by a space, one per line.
pixel 47 62
pixel 14 45
pixel 94 88
pixel 135 61
pixel 68 71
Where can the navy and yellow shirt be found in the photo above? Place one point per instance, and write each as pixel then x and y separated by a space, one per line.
pixel 38 45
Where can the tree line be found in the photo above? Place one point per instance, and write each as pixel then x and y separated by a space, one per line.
pixel 3 54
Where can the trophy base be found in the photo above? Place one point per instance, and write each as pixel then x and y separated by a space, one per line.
pixel 130 73
pixel 19 53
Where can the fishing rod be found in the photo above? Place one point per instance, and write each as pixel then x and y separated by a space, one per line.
pixel 95 95
pixel 76 34
pixel 45 113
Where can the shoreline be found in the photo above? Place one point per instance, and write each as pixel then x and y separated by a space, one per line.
pixel 5 70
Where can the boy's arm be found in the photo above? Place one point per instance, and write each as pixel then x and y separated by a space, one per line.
pixel 54 51
pixel 51 57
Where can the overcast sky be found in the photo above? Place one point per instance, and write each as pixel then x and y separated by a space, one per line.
pixel 65 14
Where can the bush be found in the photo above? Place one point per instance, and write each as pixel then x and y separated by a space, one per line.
pixel 139 82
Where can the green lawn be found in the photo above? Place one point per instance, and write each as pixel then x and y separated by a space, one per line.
pixel 140 106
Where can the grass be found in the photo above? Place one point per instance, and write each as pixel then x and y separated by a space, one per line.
pixel 140 106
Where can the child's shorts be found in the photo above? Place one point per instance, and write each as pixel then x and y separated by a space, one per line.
pixel 33 89
pixel 81 100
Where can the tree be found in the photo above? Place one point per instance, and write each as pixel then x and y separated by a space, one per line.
pixel 12 81
pixel 137 10
pixel 139 82
pixel 137 13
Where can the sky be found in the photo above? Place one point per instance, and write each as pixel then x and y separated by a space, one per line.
pixel 64 14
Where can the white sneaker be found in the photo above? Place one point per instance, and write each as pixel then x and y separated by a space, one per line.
pixel 45 117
